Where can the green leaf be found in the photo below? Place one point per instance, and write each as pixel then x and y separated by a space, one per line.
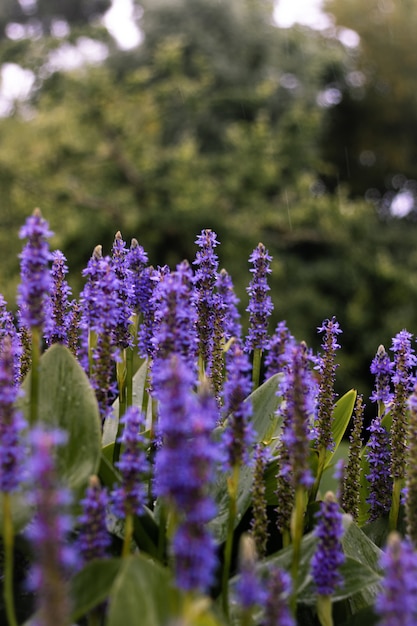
pixel 266 424
pixel 342 413
pixel 67 401
pixel 92 585
pixel 142 591
pixel 359 547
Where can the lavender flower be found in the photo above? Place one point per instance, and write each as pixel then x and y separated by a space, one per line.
pixel 396 603
pixel 57 331
pixel 278 590
pixel 175 316
pixel 276 357
pixel 329 555
pixel 260 303
pixel 379 478
pixel 326 367
pixel 130 497
pixel 100 315
pixel 231 315
pixel 12 452
pixel 8 329
pixel 48 532
pixel 259 523
pixel 238 435
pixel 298 389
pixel 411 477
pixel 381 367
pixel 404 360
pixel 35 282
pixel 136 260
pixel 122 336
pixel 205 278
pixel 350 494
pixel 93 538
pixel 186 424
pixel 146 303
pixel 249 589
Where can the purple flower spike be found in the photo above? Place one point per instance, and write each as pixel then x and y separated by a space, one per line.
pixel 93 538
pixel 122 335
pixel 278 590
pixel 276 357
pixel 57 332
pixel 136 261
pixel 326 367
pixel 231 316
pixel 403 380
pixel 35 278
pixel 205 278
pixel 260 303
pixel 381 368
pixel 48 532
pixel 379 478
pixel 238 435
pixel 186 425
pixel 250 592
pixel 175 317
pixel 12 453
pixel 329 555
pixel 298 389
pixel 396 603
pixel 130 497
pixel 100 303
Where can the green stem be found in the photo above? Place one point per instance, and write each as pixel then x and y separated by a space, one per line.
pixel 121 384
pixel 297 528
pixel 256 367
pixel 34 378
pixel 233 483
pixel 129 377
pixel 128 535
pixel 395 504
pixel 324 610
pixel 8 538
pixel 320 469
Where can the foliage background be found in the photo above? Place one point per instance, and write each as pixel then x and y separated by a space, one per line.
pixel 220 119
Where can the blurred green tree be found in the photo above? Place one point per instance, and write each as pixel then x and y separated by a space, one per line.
pixel 371 135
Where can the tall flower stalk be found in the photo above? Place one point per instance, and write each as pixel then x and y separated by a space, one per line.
pixel 33 293
pixel 11 462
pixel 328 557
pixel 186 446
pixel 260 308
pixel 48 531
pixel 130 497
pixel 298 391
pixel 238 441
pixel 326 367
pixel 404 360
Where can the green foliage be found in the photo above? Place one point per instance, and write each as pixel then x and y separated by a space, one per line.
pixel 67 402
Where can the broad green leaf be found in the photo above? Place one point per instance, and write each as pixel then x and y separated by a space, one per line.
pixel 359 547
pixel 139 385
pixel 342 413
pixel 142 591
pixel 92 585
pixel 266 423
pixel 67 401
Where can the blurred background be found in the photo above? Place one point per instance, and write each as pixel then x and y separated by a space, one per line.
pixel 291 123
